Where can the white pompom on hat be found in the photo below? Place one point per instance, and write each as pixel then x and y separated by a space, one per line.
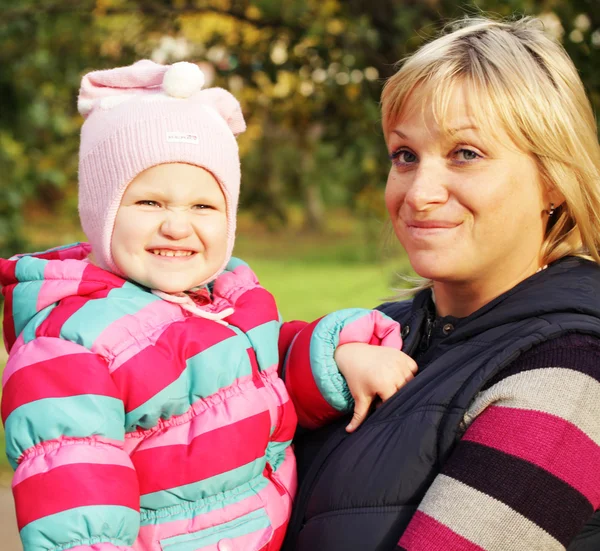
pixel 182 80
pixel 144 115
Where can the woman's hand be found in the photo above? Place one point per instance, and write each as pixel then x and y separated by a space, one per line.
pixel 372 371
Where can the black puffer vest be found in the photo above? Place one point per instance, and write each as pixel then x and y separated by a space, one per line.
pixel 358 492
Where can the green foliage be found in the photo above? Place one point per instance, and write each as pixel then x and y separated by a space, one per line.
pixel 308 73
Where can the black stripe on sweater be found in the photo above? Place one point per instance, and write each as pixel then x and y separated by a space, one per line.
pixel 533 492
pixel 577 352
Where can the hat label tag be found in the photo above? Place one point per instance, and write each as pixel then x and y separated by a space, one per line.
pixel 182 137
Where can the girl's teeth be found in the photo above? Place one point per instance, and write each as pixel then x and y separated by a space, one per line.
pixel 162 252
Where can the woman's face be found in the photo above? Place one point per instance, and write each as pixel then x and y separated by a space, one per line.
pixel 467 205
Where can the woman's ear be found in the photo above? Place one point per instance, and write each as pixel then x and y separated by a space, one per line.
pixel 553 196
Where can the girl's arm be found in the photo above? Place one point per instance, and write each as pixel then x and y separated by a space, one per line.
pixel 526 473
pixel 318 389
pixel 75 487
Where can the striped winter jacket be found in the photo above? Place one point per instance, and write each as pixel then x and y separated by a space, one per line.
pixel 133 424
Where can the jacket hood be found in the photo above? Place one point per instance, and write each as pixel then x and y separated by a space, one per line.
pixel 36 282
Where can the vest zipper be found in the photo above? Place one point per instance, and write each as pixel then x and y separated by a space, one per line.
pixel 430 322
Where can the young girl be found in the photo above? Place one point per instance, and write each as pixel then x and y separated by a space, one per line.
pixel 142 401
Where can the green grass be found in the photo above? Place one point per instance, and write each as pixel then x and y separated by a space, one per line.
pixel 308 292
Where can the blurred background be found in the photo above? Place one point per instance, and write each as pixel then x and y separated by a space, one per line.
pixel 308 74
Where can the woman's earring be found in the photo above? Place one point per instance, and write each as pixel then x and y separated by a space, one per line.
pixel 551 210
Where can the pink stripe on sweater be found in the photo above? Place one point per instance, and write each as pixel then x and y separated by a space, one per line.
pixel 150 534
pixel 212 453
pixel 52 291
pixel 148 372
pixel 145 324
pixel 61 279
pixel 70 375
pixel 285 415
pixel 424 533
pixel 372 328
pixel 66 269
pixel 286 478
pixel 545 440
pixel 253 308
pixel 75 485
pixel 8 280
pixel 268 498
pixel 312 409
pixel 40 350
pixel 221 409
pixel 87 450
pixel 100 547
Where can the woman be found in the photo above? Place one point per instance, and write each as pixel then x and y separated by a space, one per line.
pixel 494 192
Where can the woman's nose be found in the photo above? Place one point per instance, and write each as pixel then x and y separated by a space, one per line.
pixel 427 187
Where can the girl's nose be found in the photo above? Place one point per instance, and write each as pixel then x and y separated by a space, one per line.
pixel 176 226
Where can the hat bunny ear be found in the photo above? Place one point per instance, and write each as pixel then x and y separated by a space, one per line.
pixel 227 106
pixel 143 76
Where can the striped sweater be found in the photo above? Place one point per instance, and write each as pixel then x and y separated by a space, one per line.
pixel 133 424
pixel 526 473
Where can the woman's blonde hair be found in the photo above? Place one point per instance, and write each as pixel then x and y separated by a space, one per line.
pixel 515 73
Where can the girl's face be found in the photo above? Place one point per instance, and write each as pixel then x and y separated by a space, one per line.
pixel 170 231
pixel 467 206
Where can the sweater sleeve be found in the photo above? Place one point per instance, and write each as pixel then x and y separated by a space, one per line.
pixel 75 487
pixel 317 388
pixel 526 473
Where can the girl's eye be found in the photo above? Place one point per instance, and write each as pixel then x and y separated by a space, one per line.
pixel 148 203
pixel 202 206
pixel 402 157
pixel 466 155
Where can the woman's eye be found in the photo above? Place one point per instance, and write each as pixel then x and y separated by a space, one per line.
pixel 403 157
pixel 466 155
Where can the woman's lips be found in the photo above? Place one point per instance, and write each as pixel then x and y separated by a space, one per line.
pixel 427 228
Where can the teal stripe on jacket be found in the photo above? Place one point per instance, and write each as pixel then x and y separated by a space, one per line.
pixel 29 268
pixel 276 453
pixel 187 511
pixel 85 325
pixel 264 340
pixel 224 487
pixel 24 307
pixel 114 524
pixel 73 416
pixel 242 526
pixel 204 374
pixel 29 333
pixel 324 341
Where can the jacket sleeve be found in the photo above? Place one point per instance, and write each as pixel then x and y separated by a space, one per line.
pixel 75 487
pixel 318 390
pixel 526 473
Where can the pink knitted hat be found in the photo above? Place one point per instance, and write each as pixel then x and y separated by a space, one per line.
pixel 144 115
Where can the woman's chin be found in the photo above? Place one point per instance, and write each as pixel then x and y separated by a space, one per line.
pixel 435 268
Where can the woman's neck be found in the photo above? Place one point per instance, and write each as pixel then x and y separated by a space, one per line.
pixel 461 299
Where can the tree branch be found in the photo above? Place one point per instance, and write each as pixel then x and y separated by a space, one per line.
pixel 148 8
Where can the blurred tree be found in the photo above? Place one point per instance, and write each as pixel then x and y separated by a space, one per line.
pixel 308 74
